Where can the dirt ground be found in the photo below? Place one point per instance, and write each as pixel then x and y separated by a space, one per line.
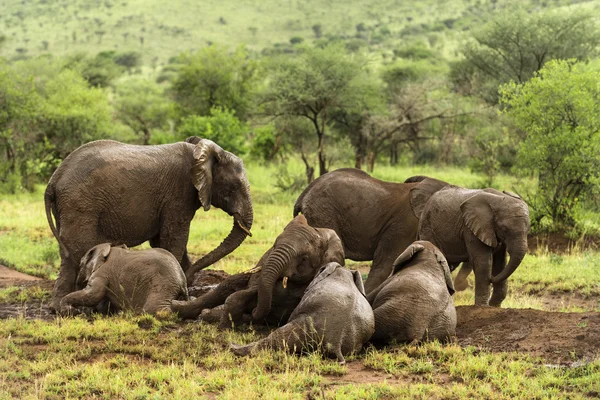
pixel 557 337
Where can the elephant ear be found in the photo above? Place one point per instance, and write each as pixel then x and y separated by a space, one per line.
pixel 206 154
pixel 406 256
pixel 323 273
pixel 333 250
pixel 422 192
pixel 446 268
pixel 359 282
pixel 92 260
pixel 479 217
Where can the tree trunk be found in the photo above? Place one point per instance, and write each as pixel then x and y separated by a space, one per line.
pixel 394 153
pixel 371 156
pixel 310 171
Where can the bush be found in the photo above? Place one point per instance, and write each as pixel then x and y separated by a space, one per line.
pixel 221 126
pixel 558 112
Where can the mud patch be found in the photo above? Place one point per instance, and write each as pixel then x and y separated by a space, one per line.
pixel 559 338
pixel 205 280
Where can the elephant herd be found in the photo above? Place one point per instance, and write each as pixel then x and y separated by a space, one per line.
pixel 106 196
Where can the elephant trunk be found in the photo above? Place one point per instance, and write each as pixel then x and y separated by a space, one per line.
pixel 270 273
pixel 242 222
pixel 517 250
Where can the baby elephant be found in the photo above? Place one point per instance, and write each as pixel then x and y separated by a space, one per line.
pixel 415 303
pixel 142 280
pixel 333 316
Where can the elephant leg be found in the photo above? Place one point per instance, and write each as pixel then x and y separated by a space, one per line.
pixel 234 308
pixel 482 263
pixel 91 296
pixel 173 236
pixel 391 245
pixel 216 297
pixel 501 288
pixel 460 282
pixel 65 282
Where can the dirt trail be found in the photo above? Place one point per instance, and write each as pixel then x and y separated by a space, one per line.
pixel 558 337
pixel 8 277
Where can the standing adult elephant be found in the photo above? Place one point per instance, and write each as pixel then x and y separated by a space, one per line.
pixel 373 218
pixel 110 192
pixel 478 226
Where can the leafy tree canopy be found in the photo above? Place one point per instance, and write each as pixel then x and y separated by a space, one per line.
pixel 516 44
pixel 559 112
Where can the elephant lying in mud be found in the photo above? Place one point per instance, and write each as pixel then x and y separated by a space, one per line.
pixel 111 192
pixel 479 226
pixel 272 293
pixel 137 280
pixel 333 317
pixel 374 219
pixel 415 303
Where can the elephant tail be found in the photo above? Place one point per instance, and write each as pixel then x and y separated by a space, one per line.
pixel 50 203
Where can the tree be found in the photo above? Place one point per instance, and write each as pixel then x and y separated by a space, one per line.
pixel 221 126
pixel 142 105
pixel 215 77
pixel 515 45
pixel 312 86
pixel 128 59
pixel 557 110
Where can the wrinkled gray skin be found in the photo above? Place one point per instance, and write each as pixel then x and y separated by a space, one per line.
pixel 415 303
pixel 297 254
pixel 373 218
pixel 141 281
pixel 479 226
pixel 110 192
pixel 333 317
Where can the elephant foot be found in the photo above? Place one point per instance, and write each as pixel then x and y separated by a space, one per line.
pixel 240 350
pixel 460 284
pixel 495 303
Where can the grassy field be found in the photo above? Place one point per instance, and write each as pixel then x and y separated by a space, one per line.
pixel 160 30
pixel 143 357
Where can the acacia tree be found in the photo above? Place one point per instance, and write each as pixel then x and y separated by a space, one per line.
pixel 215 77
pixel 314 85
pixel 558 111
pixel 143 107
pixel 516 44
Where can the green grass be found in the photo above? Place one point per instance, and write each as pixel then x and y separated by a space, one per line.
pixel 138 357
pixel 168 29
pixel 143 357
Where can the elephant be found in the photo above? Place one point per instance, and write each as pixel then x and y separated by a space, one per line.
pixel 110 192
pixel 333 316
pixel 479 226
pixel 373 218
pixel 138 280
pixel 277 283
pixel 415 303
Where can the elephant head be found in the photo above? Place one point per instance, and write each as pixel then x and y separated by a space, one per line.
pixel 429 250
pixel 296 255
pixel 91 261
pixel 220 178
pixel 329 268
pixel 494 218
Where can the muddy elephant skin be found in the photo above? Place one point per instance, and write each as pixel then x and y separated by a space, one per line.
pixel 136 280
pixel 333 317
pixel 415 303
pixel 374 219
pixel 481 227
pixel 110 192
pixel 271 293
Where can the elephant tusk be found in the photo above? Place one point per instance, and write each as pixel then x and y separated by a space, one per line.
pixel 242 227
pixel 284 283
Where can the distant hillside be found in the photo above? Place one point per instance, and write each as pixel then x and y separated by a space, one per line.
pixel 160 29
